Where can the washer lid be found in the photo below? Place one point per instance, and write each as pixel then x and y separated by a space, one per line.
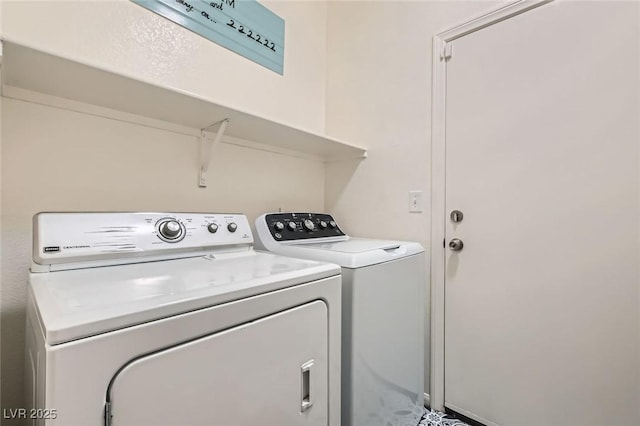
pixel 355 245
pixel 354 252
pixel 85 302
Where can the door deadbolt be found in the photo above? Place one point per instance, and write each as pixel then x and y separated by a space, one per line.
pixel 456 244
pixel 456 216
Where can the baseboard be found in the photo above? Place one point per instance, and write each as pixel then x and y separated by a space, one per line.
pixel 467 416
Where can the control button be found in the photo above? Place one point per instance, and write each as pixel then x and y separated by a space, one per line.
pixel 278 235
pixel 213 228
pixel 232 227
pixel 309 225
pixel 333 224
pixel 278 226
pixel 323 224
pixel 171 229
pixel 292 226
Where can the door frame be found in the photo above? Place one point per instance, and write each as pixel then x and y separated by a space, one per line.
pixel 442 52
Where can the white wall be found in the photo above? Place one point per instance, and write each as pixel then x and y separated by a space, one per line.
pixel 59 160
pixel 372 58
pixel 379 93
pixel 54 159
pixel 131 40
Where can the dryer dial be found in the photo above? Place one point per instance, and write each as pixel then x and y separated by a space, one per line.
pixel 171 231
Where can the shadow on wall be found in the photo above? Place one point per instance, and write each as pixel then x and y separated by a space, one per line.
pixel 12 327
pixel 16 250
pixel 337 176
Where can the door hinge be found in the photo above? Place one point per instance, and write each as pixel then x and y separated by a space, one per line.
pixel 107 414
pixel 447 52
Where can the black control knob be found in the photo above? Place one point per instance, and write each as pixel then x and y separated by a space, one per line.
pixel 278 226
pixel 333 224
pixel 232 227
pixel 292 226
pixel 213 228
pixel 323 224
pixel 170 229
pixel 308 225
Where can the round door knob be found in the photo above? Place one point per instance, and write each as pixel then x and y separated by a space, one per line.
pixel 213 228
pixel 308 225
pixel 456 244
pixel 171 229
pixel 278 226
pixel 292 226
pixel 323 224
pixel 232 227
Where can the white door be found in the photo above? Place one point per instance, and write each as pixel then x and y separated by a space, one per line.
pixel 272 371
pixel 541 313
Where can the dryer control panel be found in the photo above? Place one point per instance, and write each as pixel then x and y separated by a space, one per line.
pixel 301 226
pixel 92 238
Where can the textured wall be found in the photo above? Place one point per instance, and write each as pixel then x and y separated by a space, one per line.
pixel 379 91
pixel 122 36
pixel 371 61
pixel 60 160
pixel 55 160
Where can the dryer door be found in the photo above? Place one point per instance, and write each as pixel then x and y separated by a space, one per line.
pixel 272 371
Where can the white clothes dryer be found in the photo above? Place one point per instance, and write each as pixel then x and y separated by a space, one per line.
pixel 383 298
pixel 140 319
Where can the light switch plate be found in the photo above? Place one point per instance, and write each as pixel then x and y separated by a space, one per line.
pixel 415 201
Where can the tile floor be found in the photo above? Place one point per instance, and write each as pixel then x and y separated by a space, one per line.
pixel 436 418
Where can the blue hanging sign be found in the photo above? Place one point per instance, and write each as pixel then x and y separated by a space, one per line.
pixel 243 26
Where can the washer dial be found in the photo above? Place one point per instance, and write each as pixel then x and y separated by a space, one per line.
pixel 308 225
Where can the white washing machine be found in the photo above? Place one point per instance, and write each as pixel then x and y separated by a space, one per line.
pixel 383 301
pixel 140 319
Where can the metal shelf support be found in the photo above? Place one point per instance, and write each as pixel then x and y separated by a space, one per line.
pixel 206 148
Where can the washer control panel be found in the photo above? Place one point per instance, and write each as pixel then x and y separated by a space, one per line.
pixel 83 237
pixel 301 226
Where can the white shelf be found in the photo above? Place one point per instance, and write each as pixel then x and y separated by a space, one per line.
pixel 35 71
